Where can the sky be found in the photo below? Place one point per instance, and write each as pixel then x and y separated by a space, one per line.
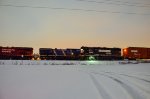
pixel 74 23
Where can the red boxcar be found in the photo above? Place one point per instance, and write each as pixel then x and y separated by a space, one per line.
pixel 136 53
pixel 16 53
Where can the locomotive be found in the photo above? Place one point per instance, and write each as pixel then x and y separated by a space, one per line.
pixel 101 53
pixel 59 54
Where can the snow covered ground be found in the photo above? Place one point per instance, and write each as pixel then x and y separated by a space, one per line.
pixel 74 80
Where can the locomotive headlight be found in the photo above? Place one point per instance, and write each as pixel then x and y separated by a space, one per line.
pixel 82 51
pixel 125 50
pixel 91 58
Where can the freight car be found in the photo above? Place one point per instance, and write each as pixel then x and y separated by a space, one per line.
pixel 133 53
pixel 101 53
pixel 16 53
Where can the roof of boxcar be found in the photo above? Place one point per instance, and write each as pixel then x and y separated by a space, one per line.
pixel 137 47
pixel 18 47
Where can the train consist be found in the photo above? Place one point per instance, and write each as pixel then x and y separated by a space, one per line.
pixel 16 53
pixel 83 53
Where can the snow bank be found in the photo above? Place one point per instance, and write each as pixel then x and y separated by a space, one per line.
pixel 56 62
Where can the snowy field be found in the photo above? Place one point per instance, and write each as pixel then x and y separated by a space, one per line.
pixel 74 80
